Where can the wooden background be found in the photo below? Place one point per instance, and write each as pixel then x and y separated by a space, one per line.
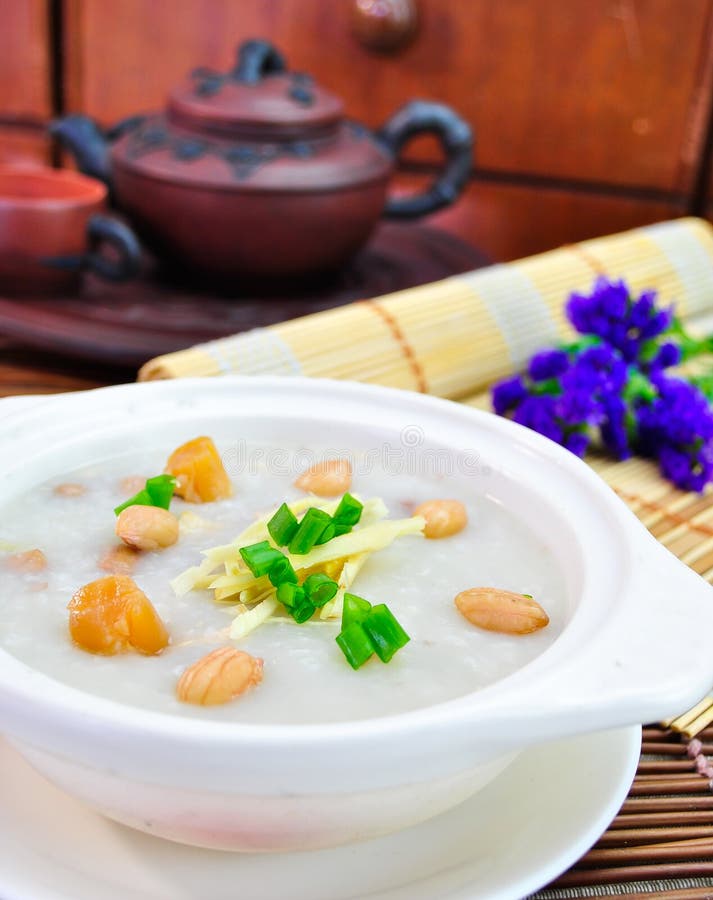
pixel 591 115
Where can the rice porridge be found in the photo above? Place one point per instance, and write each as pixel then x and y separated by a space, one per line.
pixel 305 677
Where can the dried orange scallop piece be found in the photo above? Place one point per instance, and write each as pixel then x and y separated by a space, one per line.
pixel 113 615
pixel 199 472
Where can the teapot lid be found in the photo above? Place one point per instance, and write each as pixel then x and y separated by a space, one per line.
pixel 257 98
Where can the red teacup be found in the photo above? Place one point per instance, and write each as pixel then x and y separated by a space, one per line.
pixel 51 231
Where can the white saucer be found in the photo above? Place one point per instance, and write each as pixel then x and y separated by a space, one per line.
pixel 515 836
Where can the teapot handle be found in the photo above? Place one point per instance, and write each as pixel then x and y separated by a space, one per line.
pixel 126 261
pixel 122 265
pixel 456 136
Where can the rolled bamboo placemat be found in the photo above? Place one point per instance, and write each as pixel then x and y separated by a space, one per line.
pixel 454 337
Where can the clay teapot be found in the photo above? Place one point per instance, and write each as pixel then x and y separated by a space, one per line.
pixel 257 170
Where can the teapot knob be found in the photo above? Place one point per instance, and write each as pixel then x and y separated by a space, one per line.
pixel 384 25
pixel 256 59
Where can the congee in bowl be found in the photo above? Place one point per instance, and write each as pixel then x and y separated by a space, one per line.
pixel 411 543
pixel 276 613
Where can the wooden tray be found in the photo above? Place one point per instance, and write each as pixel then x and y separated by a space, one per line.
pixel 130 323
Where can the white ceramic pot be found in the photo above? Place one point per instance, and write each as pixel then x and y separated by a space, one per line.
pixel 635 647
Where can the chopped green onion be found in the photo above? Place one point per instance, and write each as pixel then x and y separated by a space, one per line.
pixel 143 498
pixel 340 528
pixel 281 571
pixel 302 611
pixel 161 488
pixel 320 589
pixel 294 598
pixel 309 531
pixel 329 532
pixel 283 525
pixel 355 644
pixel 349 510
pixel 290 594
pixel 385 632
pixel 260 557
pixel 157 491
pixel 355 609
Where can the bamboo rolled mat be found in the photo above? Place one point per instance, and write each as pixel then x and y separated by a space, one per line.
pixel 453 339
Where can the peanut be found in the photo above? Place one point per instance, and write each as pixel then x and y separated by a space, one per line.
pixel 219 677
pixel 147 527
pixel 443 517
pixel 503 611
pixel 328 478
pixel 70 490
pixel 29 561
pixel 119 560
pixel 113 615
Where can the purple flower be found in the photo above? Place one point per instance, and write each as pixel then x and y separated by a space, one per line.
pixel 677 429
pixel 669 354
pixel 538 412
pixel 622 322
pixel 690 473
pixel 563 398
pixel 614 431
pixel 598 370
pixel 577 442
pixel 614 380
pixel 508 394
pixel 595 313
pixel 548 364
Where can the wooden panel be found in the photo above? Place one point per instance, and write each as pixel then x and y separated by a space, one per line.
pixel 23 146
pixel 24 58
pixel 507 221
pixel 596 90
pixel 24 79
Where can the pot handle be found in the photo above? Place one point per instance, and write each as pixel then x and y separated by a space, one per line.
pixel 122 266
pixel 456 136
pixel 104 230
pixel 649 660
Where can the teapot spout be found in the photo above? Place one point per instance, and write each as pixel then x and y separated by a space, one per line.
pixel 86 142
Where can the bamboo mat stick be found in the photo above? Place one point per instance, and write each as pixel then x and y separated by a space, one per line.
pixel 648 853
pixel 694 727
pixel 656 733
pixel 671 784
pixel 693 713
pixel 644 784
pixel 583 877
pixel 652 819
pixel 661 747
pixel 666 766
pixel 634 836
pixel 667 804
